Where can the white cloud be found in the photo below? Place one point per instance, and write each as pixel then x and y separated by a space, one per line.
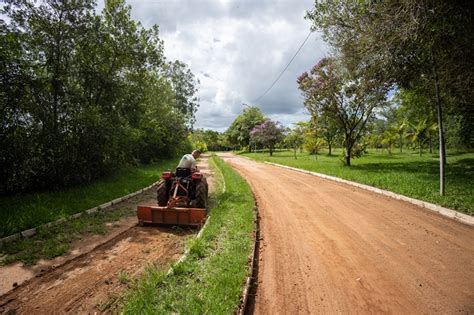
pixel 237 49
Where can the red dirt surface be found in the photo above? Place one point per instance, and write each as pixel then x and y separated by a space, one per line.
pixel 330 248
pixel 17 273
pixel 91 278
pixel 90 282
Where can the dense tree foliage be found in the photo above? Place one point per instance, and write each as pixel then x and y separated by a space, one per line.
pixel 295 138
pixel 82 93
pixel 338 95
pixel 238 133
pixel 329 131
pixel 213 140
pixel 407 44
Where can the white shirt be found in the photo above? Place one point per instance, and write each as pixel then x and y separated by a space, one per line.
pixel 187 161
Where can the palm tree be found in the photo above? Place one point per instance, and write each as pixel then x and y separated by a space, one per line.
pixel 421 132
pixel 401 129
pixel 389 137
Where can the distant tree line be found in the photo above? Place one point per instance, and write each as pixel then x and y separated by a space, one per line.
pixel 83 93
pixel 252 129
pixel 208 140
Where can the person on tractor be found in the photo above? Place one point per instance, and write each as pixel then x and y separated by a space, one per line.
pixel 194 183
pixel 189 161
pixel 181 195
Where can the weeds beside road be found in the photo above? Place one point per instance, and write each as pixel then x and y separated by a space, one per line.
pixel 24 211
pixel 405 173
pixel 50 242
pixel 210 279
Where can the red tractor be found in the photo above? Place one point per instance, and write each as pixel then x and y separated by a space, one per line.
pixel 182 200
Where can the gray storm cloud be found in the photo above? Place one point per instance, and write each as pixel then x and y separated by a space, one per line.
pixel 237 49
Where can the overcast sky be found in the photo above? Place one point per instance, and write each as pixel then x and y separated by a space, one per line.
pixel 236 49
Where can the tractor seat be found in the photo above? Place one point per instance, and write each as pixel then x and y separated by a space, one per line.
pixel 182 172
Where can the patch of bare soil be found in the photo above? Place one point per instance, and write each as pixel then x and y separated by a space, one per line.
pixel 17 273
pixel 91 282
pixel 330 248
pixel 91 277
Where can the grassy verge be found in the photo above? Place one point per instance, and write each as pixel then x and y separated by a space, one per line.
pixel 405 173
pixel 210 280
pixel 55 241
pixel 21 212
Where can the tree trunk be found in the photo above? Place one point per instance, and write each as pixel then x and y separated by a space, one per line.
pixel 401 144
pixel 329 144
pixel 442 152
pixel 431 145
pixel 347 155
pixel 271 150
pixel 419 144
pixel 347 160
pixel 295 152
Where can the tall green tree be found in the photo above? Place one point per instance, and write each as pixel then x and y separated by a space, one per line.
pixel 328 129
pixel 185 87
pixel 48 34
pixel 333 91
pixel 312 140
pixel 238 133
pixel 295 139
pixel 83 93
pixel 405 42
pixel 389 137
pixel 420 132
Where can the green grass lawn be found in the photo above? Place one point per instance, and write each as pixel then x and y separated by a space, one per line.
pixel 210 279
pixel 24 211
pixel 405 173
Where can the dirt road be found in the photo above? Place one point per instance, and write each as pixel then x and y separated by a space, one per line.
pixel 331 248
pixel 93 276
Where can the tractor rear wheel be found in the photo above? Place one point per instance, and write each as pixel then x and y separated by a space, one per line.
pixel 162 194
pixel 204 180
pixel 201 195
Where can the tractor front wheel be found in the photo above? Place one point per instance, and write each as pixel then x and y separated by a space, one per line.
pixel 162 194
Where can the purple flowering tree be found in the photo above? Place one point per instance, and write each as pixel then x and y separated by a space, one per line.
pixel 267 134
pixel 337 96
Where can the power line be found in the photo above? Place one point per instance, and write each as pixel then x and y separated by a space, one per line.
pixel 281 73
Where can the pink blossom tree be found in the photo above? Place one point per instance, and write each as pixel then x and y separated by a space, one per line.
pixel 267 134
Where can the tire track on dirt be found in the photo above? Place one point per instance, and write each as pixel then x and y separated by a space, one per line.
pixel 81 285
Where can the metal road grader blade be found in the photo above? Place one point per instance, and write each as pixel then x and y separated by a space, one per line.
pixel 154 214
